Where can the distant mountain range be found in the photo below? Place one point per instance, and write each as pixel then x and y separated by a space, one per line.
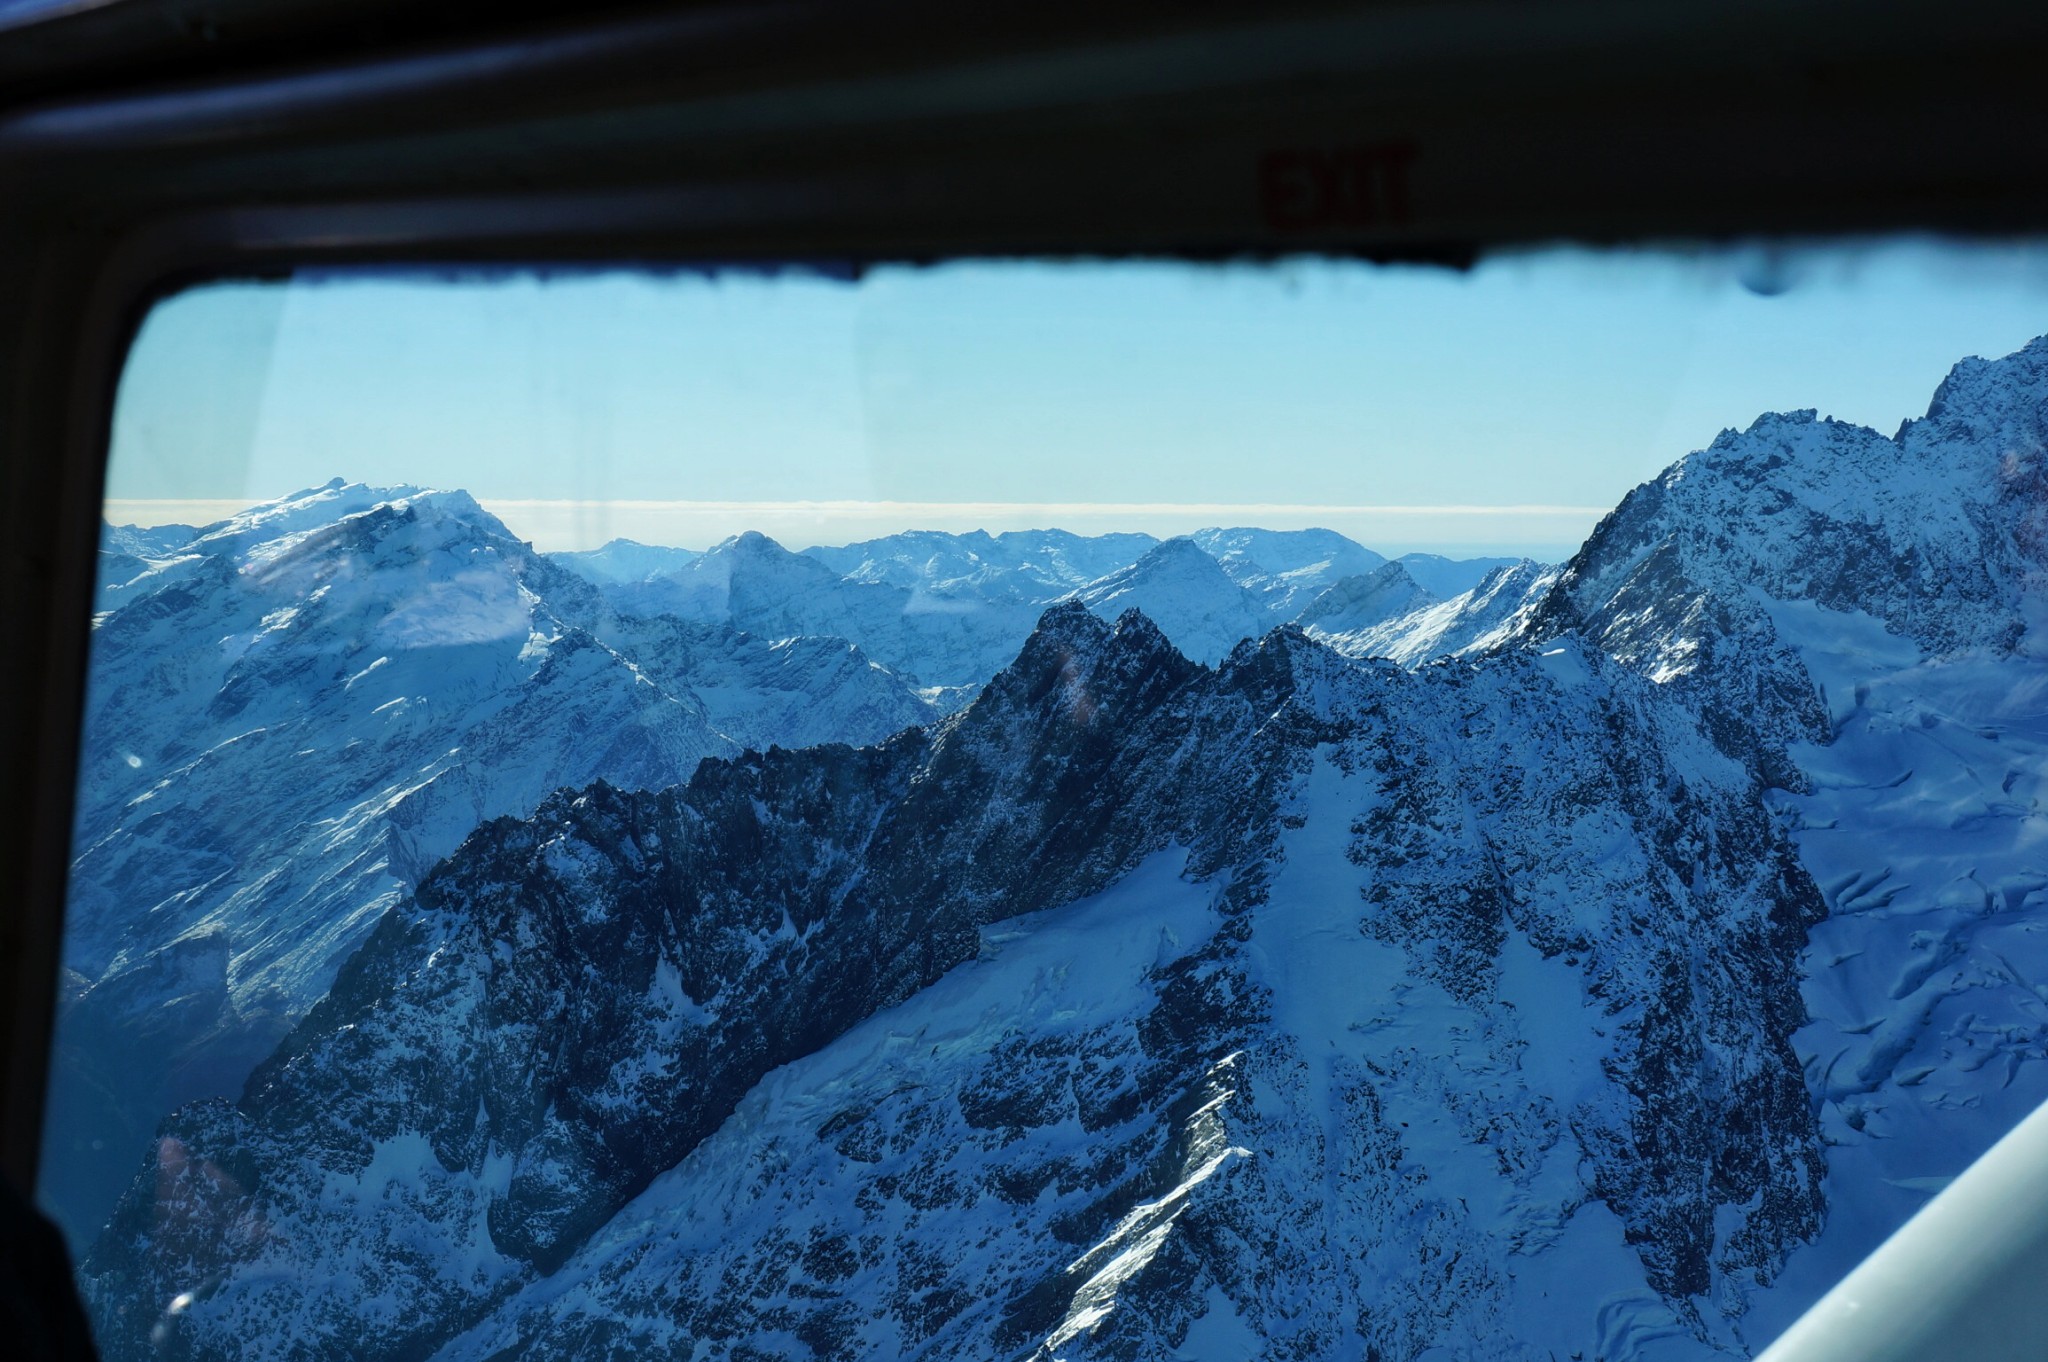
pixel 1030 946
pixel 949 610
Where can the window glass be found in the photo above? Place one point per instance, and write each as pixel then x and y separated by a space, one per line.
pixel 1055 809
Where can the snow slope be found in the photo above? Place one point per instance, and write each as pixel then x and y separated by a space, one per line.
pixel 1926 826
pixel 1387 614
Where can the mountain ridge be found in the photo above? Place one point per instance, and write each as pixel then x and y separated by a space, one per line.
pixel 1079 757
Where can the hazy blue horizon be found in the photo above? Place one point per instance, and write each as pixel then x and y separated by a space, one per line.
pixel 1163 522
pixel 1498 411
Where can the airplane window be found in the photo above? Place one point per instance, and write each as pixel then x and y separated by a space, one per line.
pixel 1055 810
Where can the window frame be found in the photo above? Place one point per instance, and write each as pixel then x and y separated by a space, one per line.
pixel 857 133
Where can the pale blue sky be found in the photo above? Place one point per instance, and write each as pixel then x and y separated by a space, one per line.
pixel 1496 410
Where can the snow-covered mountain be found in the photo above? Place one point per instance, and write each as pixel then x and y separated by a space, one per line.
pixel 434 672
pixel 1603 990
pixel 1282 568
pixel 1366 600
pixel 952 609
pixel 1936 532
pixel 762 693
pixel 128 551
pixel 1876 606
pixel 454 675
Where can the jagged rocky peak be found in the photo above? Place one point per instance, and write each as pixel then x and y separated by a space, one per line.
pixel 1051 729
pixel 1078 682
pixel 1287 651
pixel 1387 614
pixel 1998 405
pixel 1075 674
pixel 1076 642
pixel 1509 589
pixel 1063 628
pixel 1922 531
